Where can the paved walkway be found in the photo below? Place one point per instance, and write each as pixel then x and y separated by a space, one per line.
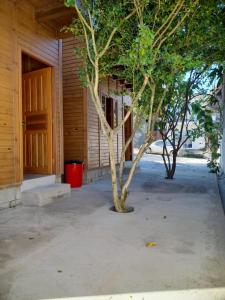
pixel 79 247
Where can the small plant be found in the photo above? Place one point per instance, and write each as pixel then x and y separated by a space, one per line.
pixel 213 166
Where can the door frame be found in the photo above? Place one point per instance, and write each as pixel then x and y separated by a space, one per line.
pixel 19 110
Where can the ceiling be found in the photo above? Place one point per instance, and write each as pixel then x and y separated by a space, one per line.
pixel 53 13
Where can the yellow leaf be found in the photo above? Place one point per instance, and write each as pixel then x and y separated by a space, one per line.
pixel 151 244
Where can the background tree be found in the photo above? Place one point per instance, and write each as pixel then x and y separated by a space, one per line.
pixel 198 44
pixel 176 122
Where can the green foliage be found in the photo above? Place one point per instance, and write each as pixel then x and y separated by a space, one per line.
pixel 206 31
pixel 132 45
pixel 132 53
pixel 211 129
pixel 138 55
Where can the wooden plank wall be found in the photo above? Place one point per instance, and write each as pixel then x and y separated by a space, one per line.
pixel 83 137
pixel 93 136
pixel 98 153
pixel 74 104
pixel 103 145
pixel 120 117
pixel 19 31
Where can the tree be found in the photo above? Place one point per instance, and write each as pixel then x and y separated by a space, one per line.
pixel 201 43
pixel 176 122
pixel 127 39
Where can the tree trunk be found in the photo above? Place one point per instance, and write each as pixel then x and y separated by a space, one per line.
pixel 172 169
pixel 118 202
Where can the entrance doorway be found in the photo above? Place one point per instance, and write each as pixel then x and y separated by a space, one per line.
pixel 37 116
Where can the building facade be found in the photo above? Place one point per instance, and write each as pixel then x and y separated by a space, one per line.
pixel 46 115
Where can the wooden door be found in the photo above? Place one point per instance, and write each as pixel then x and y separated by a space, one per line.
pixel 37 121
pixel 127 134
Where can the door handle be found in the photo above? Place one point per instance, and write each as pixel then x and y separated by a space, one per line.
pixel 24 124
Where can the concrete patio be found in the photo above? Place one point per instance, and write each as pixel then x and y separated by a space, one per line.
pixel 78 247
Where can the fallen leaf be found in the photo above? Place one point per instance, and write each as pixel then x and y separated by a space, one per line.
pixel 150 244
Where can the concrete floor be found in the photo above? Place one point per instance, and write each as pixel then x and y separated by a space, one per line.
pixel 78 247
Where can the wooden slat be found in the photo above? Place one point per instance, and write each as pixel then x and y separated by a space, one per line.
pixel 7 174
pixel 75 141
pixel 97 144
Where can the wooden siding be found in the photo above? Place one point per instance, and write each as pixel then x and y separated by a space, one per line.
pixel 120 117
pixel 93 136
pixel 74 104
pixel 98 152
pixel 20 32
pixel 83 137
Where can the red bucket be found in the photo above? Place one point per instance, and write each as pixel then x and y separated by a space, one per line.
pixel 74 173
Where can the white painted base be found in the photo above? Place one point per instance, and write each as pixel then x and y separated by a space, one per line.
pixel 96 174
pixel 92 175
pixel 9 197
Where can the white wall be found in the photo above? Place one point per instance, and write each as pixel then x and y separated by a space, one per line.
pixel 198 143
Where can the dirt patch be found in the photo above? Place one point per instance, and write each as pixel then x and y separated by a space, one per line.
pixel 129 209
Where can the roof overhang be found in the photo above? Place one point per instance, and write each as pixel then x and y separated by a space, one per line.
pixel 53 13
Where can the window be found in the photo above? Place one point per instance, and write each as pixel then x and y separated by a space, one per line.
pixel 104 104
pixel 189 145
pixel 110 108
pixel 168 143
pixel 159 143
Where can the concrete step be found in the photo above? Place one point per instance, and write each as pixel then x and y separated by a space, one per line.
pixel 46 194
pixel 40 181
